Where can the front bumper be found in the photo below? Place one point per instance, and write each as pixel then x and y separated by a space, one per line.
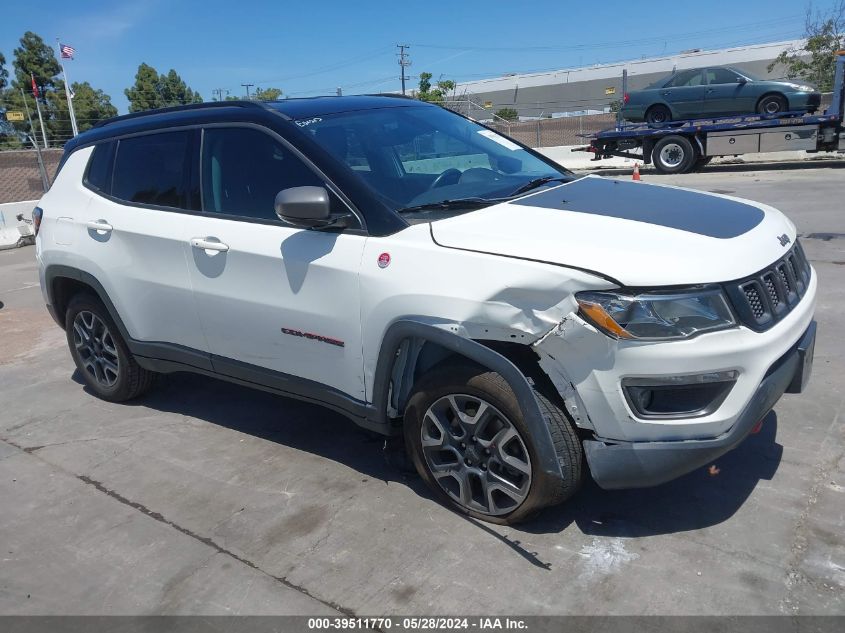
pixel 616 465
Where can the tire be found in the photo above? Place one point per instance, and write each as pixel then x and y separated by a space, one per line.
pixel 107 367
pixel 502 429
pixel 772 104
pixel 673 154
pixel 658 115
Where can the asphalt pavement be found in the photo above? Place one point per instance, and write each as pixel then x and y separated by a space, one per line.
pixel 209 498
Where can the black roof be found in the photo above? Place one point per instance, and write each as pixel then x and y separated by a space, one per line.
pixel 235 111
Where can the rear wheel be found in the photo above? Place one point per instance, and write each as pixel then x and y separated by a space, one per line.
pixel 101 354
pixel 469 442
pixel 658 114
pixel 673 154
pixel 772 104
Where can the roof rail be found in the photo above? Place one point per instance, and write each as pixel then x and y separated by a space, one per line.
pixel 179 108
pixel 390 94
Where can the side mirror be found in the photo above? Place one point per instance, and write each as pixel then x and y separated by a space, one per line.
pixel 741 80
pixel 304 206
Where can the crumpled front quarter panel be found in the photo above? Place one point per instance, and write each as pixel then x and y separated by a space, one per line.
pixel 473 295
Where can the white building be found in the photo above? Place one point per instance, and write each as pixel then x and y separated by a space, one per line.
pixel 561 92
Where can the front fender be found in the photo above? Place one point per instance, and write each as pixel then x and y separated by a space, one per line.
pixel 410 328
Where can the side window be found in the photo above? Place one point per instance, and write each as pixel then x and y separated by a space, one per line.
pixel 721 76
pixel 243 169
pixel 98 175
pixel 153 169
pixel 687 78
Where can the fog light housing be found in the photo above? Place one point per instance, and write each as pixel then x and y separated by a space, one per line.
pixel 691 396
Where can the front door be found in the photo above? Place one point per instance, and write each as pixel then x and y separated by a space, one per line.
pixel 272 297
pixel 726 94
pixel 685 93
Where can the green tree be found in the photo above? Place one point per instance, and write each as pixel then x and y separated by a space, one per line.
pixel 508 114
pixel 175 91
pixel 815 62
pixel 269 94
pixel 425 83
pixel 34 56
pixel 435 95
pixel 89 106
pixel 4 73
pixel 152 90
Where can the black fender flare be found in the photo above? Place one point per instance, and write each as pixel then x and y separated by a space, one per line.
pixel 55 271
pixel 411 328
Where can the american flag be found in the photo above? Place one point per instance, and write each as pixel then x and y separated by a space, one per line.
pixel 67 51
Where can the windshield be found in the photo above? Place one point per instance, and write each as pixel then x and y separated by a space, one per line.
pixel 416 156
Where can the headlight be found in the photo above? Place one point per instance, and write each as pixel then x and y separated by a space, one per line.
pixel 650 316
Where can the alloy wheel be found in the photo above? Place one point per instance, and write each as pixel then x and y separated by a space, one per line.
pixel 476 454
pixel 96 348
pixel 672 154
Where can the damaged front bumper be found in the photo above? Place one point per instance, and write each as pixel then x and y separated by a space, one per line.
pixel 616 465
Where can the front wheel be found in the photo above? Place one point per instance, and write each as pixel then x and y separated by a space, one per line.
pixel 100 353
pixel 673 155
pixel 772 104
pixel 468 440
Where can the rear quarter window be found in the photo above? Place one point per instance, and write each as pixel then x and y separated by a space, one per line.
pixel 98 173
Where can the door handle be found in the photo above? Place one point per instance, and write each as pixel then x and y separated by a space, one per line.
pixel 101 226
pixel 208 245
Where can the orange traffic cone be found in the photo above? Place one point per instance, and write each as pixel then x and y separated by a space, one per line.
pixel 636 175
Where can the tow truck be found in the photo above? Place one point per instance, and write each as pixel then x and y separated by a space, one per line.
pixel 687 145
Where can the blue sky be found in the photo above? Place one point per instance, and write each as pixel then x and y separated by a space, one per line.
pixel 311 48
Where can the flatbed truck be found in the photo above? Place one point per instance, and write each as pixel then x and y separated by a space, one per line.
pixel 688 145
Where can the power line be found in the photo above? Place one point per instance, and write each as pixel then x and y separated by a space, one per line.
pixel 247 86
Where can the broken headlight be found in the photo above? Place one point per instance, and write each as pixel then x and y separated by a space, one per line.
pixel 657 316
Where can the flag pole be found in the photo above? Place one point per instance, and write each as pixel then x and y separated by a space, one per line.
pixel 38 108
pixel 67 92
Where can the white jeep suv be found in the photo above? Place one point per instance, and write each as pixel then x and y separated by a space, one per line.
pixel 426 276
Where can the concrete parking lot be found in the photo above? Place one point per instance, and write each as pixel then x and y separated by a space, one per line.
pixel 208 498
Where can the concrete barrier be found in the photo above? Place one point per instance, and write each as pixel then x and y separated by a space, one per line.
pixel 9 233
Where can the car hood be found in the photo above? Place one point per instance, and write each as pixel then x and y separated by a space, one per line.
pixel 634 233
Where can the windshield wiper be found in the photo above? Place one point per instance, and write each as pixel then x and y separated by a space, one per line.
pixel 457 203
pixel 537 182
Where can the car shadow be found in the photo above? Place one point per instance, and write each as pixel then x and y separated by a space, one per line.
pixel 700 499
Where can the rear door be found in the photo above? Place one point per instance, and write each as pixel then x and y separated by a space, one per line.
pixel 725 94
pixel 277 302
pixel 133 229
pixel 685 93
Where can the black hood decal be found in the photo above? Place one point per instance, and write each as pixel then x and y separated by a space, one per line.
pixel 674 208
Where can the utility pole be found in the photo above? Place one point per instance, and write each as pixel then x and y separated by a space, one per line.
pixel 219 92
pixel 404 62
pixel 247 86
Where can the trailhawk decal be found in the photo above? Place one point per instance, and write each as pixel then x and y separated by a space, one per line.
pixel 679 209
pixel 313 337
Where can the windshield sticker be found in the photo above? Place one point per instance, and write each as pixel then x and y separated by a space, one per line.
pixel 308 122
pixel 498 138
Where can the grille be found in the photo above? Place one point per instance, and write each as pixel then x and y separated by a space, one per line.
pixel 764 298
